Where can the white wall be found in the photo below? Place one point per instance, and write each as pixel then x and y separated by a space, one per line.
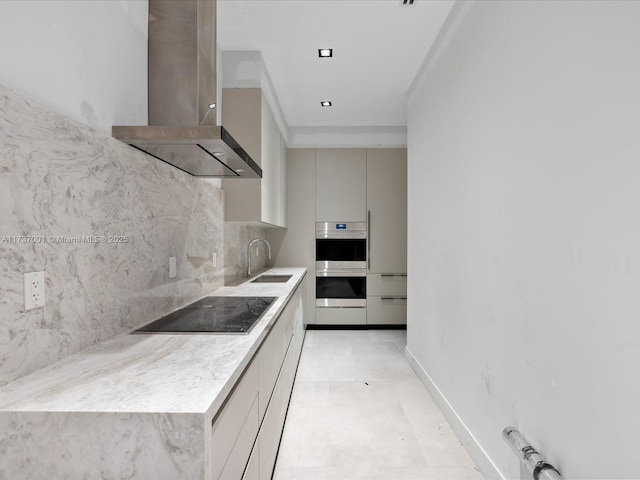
pixel 524 231
pixel 84 59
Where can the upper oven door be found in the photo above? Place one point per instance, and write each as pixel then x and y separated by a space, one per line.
pixel 341 253
pixel 341 245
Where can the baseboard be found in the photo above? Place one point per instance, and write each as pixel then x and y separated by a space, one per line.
pixel 475 450
pixel 325 326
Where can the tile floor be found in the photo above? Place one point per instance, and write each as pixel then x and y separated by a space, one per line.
pixel 359 412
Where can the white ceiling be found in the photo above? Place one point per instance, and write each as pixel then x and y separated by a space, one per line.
pixel 378 47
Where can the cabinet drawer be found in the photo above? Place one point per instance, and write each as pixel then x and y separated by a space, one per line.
pixel 386 285
pixel 252 471
pixel 341 316
pixel 273 424
pixel 272 354
pixel 234 430
pixel 386 311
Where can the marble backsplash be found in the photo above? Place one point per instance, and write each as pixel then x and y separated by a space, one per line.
pixel 101 219
pixel 236 241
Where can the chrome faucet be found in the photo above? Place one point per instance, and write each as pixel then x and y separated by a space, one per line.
pixel 249 252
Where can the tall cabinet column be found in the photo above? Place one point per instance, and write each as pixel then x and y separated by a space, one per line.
pixel 387 242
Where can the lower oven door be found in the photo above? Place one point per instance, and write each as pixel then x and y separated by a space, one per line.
pixel 341 288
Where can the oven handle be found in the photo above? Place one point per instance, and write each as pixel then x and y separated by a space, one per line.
pixel 335 306
pixel 341 273
pixel 369 240
pixel 341 303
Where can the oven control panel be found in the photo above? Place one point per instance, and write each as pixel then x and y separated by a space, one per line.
pixel 341 230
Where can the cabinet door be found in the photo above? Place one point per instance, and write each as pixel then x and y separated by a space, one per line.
pixel 283 193
pixel 271 165
pixel 273 423
pixel 247 116
pixel 271 354
pixel 341 185
pixel 387 205
pixel 386 285
pixel 242 117
pixel 252 472
pixel 234 430
pixel 386 310
pixel 341 316
pixel 274 418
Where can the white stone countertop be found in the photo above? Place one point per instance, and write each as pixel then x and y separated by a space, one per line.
pixel 152 373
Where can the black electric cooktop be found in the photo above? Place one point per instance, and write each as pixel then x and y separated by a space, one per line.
pixel 213 315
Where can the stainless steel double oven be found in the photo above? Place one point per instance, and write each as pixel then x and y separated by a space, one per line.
pixel 341 265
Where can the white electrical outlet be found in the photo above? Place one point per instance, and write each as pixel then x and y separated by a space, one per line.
pixel 172 267
pixel 33 290
pixel 214 259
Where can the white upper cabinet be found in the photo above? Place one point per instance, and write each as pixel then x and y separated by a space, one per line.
pixel 247 117
pixel 341 185
pixel 387 205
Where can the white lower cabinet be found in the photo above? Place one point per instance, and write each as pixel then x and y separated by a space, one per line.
pixel 234 430
pixel 386 299
pixel 386 284
pixel 386 310
pixel 246 434
pixel 273 423
pixel 341 316
pixel 252 472
pixel 271 356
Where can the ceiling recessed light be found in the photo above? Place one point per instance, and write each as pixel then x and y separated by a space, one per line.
pixel 325 103
pixel 325 52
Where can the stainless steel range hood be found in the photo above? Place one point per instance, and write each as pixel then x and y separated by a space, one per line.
pixel 182 95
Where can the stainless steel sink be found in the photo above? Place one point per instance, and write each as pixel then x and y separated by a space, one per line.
pixel 271 279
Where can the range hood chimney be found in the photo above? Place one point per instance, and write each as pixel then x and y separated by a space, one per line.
pixel 182 127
